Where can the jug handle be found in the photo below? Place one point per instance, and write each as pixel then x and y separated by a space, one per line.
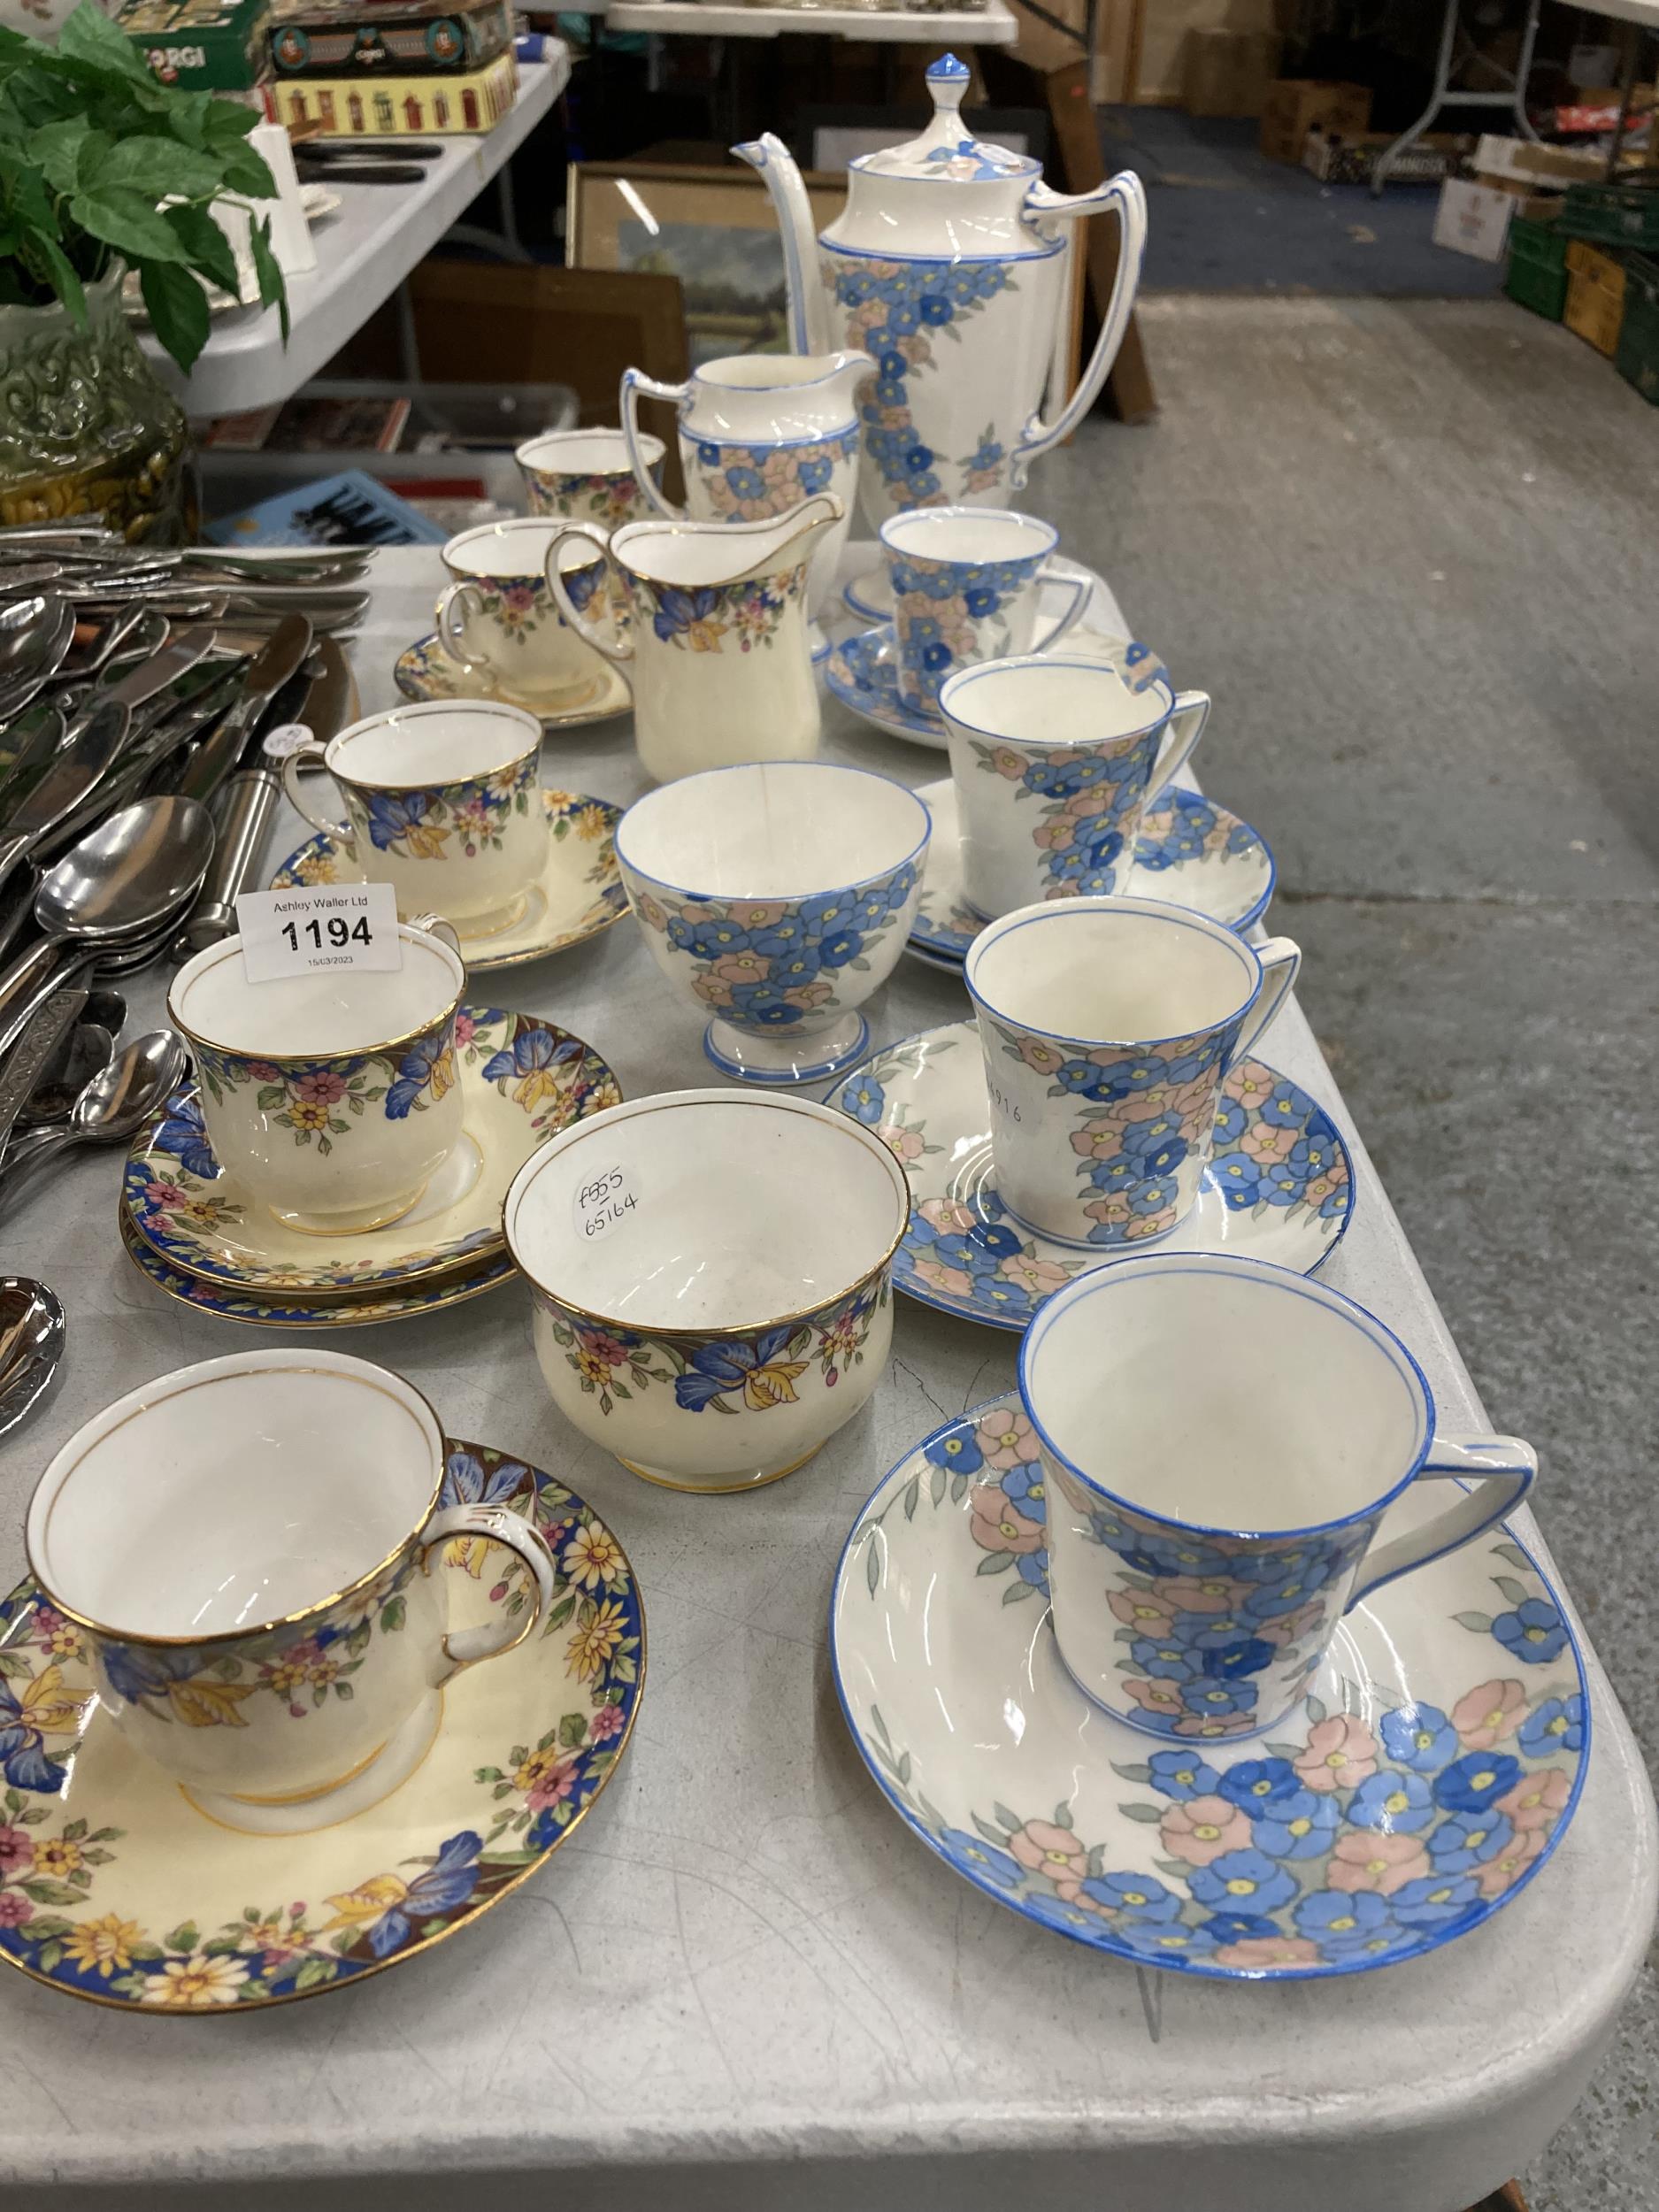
pixel 1126 194
pixel 617 649
pixel 634 381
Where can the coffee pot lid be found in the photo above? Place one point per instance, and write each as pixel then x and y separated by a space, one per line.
pixel 947 149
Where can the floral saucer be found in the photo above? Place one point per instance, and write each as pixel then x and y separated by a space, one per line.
pixel 317 1308
pixel 1278 1187
pixel 1422 1784
pixel 523 1081
pixel 863 671
pixel 1189 851
pixel 425 671
pixel 580 894
pixel 114 1887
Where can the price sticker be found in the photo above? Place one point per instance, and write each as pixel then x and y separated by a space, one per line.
pixel 319 929
pixel 604 1202
pixel 288 737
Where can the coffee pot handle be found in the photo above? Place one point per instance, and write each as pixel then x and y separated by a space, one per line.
pixel 1498 1472
pixel 466 1646
pixel 635 382
pixel 617 649
pixel 305 756
pixel 1128 195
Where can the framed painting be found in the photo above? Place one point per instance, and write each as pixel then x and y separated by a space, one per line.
pixel 715 229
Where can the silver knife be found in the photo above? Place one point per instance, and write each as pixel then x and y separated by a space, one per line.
pixel 216 755
pixel 73 772
pixel 33 1049
pixel 177 657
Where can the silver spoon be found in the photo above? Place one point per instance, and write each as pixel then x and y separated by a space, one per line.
pixel 85 1052
pixel 123 881
pixel 31 1344
pixel 117 1102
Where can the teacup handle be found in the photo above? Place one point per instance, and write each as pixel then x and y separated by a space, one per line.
pixel 1500 1470
pixel 1081 588
pixel 1181 733
pixel 466 1646
pixel 619 649
pixel 1281 959
pixel 635 383
pixel 311 756
pixel 456 602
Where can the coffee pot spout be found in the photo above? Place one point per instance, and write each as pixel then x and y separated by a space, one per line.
pixel 809 309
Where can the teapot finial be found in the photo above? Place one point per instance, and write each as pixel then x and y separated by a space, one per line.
pixel 947 80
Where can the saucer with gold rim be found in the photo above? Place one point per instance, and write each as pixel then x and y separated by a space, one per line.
pixel 114 1887
pixel 580 893
pixel 425 671
pixel 523 1079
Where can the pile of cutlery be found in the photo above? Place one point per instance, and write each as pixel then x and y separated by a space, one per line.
pixel 137 691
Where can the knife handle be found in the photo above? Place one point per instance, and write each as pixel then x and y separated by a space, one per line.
pixel 249 801
pixel 33 1049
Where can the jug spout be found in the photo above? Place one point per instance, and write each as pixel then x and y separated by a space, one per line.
pixel 790 539
pixel 809 310
pixel 847 372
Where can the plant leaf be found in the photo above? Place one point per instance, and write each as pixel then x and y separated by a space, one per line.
pixel 272 290
pixel 55 149
pixel 90 36
pixel 154 166
pixel 126 221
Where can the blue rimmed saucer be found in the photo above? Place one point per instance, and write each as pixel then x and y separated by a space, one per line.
pixel 580 892
pixel 1429 1774
pixel 523 1079
pixel 114 1887
pixel 863 671
pixel 1278 1185
pixel 1188 850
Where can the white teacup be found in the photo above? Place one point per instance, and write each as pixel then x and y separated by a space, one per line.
pixel 248 1546
pixel 1223 1440
pixel 1107 1026
pixel 712 1272
pixel 499 614
pixel 587 475
pixel 333 1098
pixel 966 584
pixel 1054 758
pixel 442 801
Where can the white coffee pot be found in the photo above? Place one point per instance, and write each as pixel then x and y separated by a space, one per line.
pixel 715 644
pixel 948 237
pixel 759 433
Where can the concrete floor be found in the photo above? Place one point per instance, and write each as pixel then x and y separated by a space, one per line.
pixel 1412 548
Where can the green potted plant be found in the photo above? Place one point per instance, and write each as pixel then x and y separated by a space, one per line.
pixel 102 169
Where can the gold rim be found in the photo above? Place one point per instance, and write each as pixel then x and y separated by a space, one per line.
pixel 531 752
pixel 636 1327
pixel 371 1575
pixel 458 1927
pixel 307 1059
pixel 717 1489
pixel 349 1316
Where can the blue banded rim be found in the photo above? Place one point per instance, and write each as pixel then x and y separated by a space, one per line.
pixel 808 891
pixel 784 1079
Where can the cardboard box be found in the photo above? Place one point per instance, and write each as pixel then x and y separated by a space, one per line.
pixel 1296 105
pixel 1473 218
pixel 1230 73
pixel 409 107
pixel 1529 163
pixel 1336 158
pixel 389 38
pixel 202 45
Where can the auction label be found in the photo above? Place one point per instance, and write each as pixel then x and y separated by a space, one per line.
pixel 319 928
pixel 604 1201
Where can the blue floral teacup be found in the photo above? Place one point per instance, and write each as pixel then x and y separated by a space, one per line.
pixel 332 1097
pixel 1236 1456
pixel 1054 758
pixel 776 897
pixel 443 802
pixel 966 584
